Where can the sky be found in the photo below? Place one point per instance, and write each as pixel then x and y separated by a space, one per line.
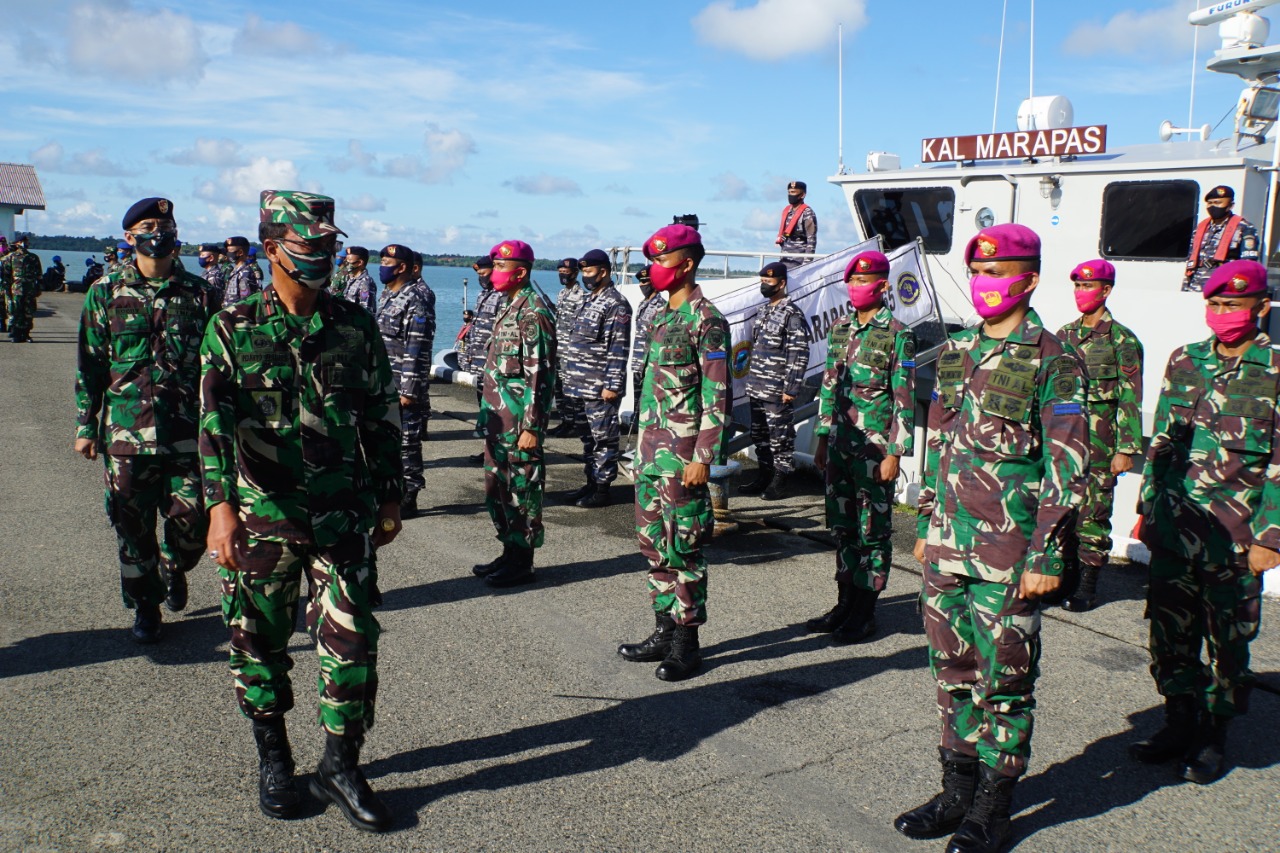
pixel 452 126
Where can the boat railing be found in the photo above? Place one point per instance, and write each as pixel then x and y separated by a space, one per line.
pixel 620 257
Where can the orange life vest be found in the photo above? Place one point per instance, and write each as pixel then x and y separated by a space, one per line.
pixel 790 219
pixel 1224 243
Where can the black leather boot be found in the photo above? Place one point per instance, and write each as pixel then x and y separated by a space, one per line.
pixel 409 505
pixel 575 495
pixel 985 828
pixel 482 569
pixel 146 624
pixel 476 459
pixel 942 815
pixel 656 646
pixel 1086 595
pixel 861 622
pixel 339 780
pixel 764 476
pixel 1180 722
pixel 515 571
pixel 1207 759
pixel 597 497
pixel 277 796
pixel 175 589
pixel 834 617
pixel 778 487
pixel 683 659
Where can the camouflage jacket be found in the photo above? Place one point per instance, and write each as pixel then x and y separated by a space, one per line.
pixel 431 310
pixel 593 357
pixel 488 303
pixel 1007 454
pixel 1212 484
pixel 868 395
pixel 1244 247
pixel 299 421
pixel 20 274
pixel 360 290
pixel 338 279
pixel 803 239
pixel 684 395
pixel 648 309
pixel 568 304
pixel 1112 357
pixel 779 351
pixel 241 284
pixel 138 362
pixel 518 374
pixel 404 319
pixel 217 283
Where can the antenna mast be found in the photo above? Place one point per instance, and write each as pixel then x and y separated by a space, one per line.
pixel 840 98
pixel 1195 51
pixel 995 109
pixel 1032 84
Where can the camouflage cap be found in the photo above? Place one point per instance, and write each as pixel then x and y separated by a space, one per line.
pixel 308 214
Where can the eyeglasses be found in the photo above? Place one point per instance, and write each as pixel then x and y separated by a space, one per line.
pixel 154 226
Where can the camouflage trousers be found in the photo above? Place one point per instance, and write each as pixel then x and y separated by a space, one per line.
pixel 22 310
pixel 1093 527
pixel 860 515
pixel 4 306
pixel 672 525
pixel 773 429
pixel 260 606
pixel 601 437
pixel 513 484
pixel 1191 605
pixel 984 651
pixel 139 488
pixel 411 426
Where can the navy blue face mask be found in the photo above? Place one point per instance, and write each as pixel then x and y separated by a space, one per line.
pixel 386 275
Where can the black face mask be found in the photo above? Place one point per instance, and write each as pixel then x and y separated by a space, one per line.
pixel 1216 213
pixel 597 282
pixel 484 278
pixel 793 199
pixel 566 278
pixel 771 291
pixel 647 290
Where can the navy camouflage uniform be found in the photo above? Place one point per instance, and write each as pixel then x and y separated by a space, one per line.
pixel 406 320
pixel 241 284
pixel 595 359
pixel 1245 246
pixel 649 308
pixel 359 289
pixel 779 359
pixel 488 304
pixel 568 306
pixel 429 346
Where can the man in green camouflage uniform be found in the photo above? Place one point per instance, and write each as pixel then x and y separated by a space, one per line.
pixel 1113 366
pixel 1004 477
pixel 516 395
pixel 866 423
pixel 683 411
pixel 138 365
pixel 20 273
pixel 4 289
pixel 1210 510
pixel 299 438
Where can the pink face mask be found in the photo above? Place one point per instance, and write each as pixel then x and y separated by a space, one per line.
pixel 866 296
pixel 664 278
pixel 991 296
pixel 504 280
pixel 1231 327
pixel 1089 301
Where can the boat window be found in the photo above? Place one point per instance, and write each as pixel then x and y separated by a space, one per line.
pixel 1149 220
pixel 901 215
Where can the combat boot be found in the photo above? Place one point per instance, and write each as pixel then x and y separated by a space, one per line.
pixel 339 780
pixel 482 569
pixel 175 589
pixel 146 624
pixel 598 497
pixel 777 488
pixel 656 646
pixel 1206 761
pixel 515 571
pixel 575 495
pixel 683 659
pixel 861 622
pixel 1172 740
pixel 476 459
pixel 1086 595
pixel 277 796
pixel 834 617
pixel 944 813
pixel 764 476
pixel 986 825
pixel 409 505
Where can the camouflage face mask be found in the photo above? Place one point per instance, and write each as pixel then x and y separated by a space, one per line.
pixel 311 270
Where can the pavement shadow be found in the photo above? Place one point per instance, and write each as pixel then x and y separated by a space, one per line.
pixel 607 738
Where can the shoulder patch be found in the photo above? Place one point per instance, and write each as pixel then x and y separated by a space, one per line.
pixel 714 339
pixel 1064 385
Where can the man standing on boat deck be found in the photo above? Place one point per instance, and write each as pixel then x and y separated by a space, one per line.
pixel 488 302
pixel 568 304
pixel 1224 236
pixel 517 395
pixel 359 287
pixel 866 423
pixel 241 282
pixel 798 231
pixel 1004 476
pixel 779 358
pixel 683 411
pixel 1210 508
pixel 1112 356
pixel 299 439
pixel 595 374
pixel 138 365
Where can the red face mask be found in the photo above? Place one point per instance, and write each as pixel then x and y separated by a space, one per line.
pixel 1232 327
pixel 664 278
pixel 504 280
pixel 1089 301
pixel 866 296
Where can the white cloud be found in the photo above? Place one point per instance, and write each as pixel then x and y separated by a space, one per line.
pixel 52 157
pixel 244 184
pixel 634 211
pixel 226 217
pixel 1161 32
pixel 357 158
pixel 365 202
pixel 273 39
pixel 620 189
pixel 544 184
pixel 366 230
pixel 80 219
pixel 447 151
pixel 486 214
pixel 732 188
pixel 209 152
pixel 777 29
pixel 758 220
pixel 115 40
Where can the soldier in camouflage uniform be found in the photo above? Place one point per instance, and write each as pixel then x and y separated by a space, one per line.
pixel 513 414
pixel 1210 509
pixel 241 282
pixel 1004 477
pixel 138 365
pixel 594 356
pixel 573 419
pixel 798 230
pixel 403 315
pixel 360 288
pixel 651 303
pixel 866 423
pixel 779 358
pixel 1224 236
pixel 683 411
pixel 20 273
pixel 110 259
pixel 488 303
pixel 255 266
pixel 341 271
pixel 1113 366
pixel 4 290
pixel 428 341
pixel 212 273
pixel 299 432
